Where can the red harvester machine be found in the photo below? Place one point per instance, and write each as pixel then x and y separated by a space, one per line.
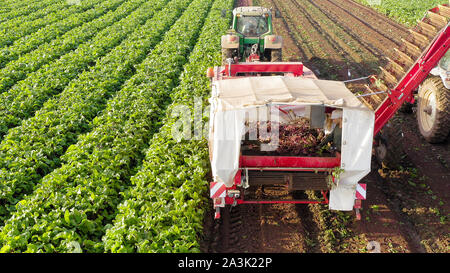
pixel 240 88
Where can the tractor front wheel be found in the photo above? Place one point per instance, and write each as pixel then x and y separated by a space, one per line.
pixel 433 110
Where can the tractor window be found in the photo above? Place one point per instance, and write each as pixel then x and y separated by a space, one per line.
pixel 252 25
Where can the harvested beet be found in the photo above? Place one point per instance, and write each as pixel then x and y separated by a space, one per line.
pixel 295 138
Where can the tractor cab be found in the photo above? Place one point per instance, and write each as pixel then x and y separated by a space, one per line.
pixel 252 24
pixel 251 38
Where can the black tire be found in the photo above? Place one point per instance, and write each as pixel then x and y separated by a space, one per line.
pixel 433 110
pixel 389 150
pixel 226 54
pixel 276 55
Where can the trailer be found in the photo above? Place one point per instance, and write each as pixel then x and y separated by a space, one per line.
pixel 279 92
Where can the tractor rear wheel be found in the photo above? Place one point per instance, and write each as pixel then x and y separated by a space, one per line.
pixel 227 53
pixel 276 55
pixel 433 110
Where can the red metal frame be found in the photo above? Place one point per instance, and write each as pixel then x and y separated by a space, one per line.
pixel 415 76
pixel 232 70
pixel 279 162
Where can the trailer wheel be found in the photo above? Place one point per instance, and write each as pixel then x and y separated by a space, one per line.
pixel 433 110
pixel 227 53
pixel 276 55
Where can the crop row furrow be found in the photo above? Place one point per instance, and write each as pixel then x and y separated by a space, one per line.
pixel 323 53
pixel 337 20
pixel 20 68
pixel 27 96
pixel 24 10
pixel 300 34
pixel 74 204
pixel 32 150
pixel 26 44
pixel 13 29
pixel 334 35
pixel 162 210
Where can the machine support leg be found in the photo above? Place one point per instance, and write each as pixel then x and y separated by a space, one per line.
pixel 217 213
pixel 357 207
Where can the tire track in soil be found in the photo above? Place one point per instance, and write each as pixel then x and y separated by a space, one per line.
pixel 375 51
pixel 323 58
pixel 264 228
pixel 335 35
pixel 396 204
pixel 422 191
pixel 371 12
pixel 312 230
pixel 379 29
pixel 432 159
pixel 384 221
pixel 281 228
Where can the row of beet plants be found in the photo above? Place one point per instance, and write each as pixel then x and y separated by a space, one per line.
pixel 16 28
pixel 71 207
pixel 77 16
pixel 25 10
pixel 28 95
pixel 27 63
pixel 163 209
pixel 32 150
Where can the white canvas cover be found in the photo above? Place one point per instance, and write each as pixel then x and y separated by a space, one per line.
pixel 235 101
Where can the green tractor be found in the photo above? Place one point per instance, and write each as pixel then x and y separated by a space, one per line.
pixel 251 38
